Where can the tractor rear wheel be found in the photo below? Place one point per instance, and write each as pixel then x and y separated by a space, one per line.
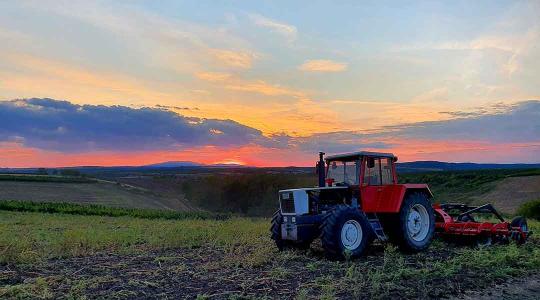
pixel 281 244
pixel 345 232
pixel 520 222
pixel 416 224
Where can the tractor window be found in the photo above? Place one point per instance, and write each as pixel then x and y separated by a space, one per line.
pixel 372 176
pixel 344 172
pixel 386 171
pixel 351 172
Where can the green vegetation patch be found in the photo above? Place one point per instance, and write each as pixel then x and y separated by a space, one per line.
pixel 100 210
pixel 530 209
pixel 46 178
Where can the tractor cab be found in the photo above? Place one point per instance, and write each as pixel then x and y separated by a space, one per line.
pixel 360 168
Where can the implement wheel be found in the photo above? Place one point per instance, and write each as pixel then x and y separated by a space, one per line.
pixel 345 232
pixel 415 226
pixel 520 222
pixel 282 244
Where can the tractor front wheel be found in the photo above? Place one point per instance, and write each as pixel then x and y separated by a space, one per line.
pixel 345 232
pixel 416 224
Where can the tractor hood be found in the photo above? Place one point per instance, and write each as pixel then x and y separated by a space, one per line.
pixel 297 201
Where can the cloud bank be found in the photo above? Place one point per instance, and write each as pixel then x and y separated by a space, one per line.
pixel 61 126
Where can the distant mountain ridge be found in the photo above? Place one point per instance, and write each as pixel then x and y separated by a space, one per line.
pixel 179 164
pixel 426 166
pixel 170 166
pixel 174 164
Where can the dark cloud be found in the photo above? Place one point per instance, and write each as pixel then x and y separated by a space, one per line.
pixel 516 123
pixel 60 125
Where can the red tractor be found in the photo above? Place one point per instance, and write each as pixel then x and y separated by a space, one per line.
pixel 359 199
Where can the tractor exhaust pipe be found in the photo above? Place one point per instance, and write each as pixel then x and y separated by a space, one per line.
pixel 321 170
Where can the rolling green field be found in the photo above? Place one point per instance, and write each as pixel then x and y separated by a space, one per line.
pixel 48 255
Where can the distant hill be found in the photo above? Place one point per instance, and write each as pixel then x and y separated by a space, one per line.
pixel 194 167
pixel 174 164
pixel 427 166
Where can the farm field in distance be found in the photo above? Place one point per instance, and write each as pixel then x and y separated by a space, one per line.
pixel 85 191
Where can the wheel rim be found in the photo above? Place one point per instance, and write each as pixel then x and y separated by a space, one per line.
pixel 418 223
pixel 351 234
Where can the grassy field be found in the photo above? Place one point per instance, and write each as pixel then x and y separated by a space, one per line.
pixel 50 255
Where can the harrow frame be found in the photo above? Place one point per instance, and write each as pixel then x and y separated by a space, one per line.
pixel 457 221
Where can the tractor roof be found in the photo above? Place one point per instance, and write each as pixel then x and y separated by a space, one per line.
pixel 355 155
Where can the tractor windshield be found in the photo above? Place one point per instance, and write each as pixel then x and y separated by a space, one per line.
pixel 344 172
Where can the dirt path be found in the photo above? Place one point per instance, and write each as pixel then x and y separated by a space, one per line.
pixel 523 288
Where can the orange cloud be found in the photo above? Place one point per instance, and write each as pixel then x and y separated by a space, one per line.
pixel 323 65
pixel 237 59
pixel 59 80
pixel 213 76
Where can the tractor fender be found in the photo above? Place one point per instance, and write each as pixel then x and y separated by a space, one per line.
pixel 410 188
pixel 393 197
pixel 415 187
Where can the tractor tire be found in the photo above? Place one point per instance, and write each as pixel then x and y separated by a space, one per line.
pixel 520 222
pixel 414 226
pixel 345 232
pixel 281 244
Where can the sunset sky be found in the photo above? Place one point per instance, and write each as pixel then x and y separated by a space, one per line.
pixel 267 83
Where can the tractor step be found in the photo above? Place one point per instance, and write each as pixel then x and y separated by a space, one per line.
pixel 377 227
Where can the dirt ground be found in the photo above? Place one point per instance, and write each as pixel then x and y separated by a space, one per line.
pixel 192 273
pixel 511 192
pixel 103 193
pixel 518 288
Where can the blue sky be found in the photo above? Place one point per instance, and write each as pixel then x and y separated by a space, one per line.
pixel 301 69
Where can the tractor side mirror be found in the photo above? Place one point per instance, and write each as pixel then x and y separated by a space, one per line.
pixel 370 162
